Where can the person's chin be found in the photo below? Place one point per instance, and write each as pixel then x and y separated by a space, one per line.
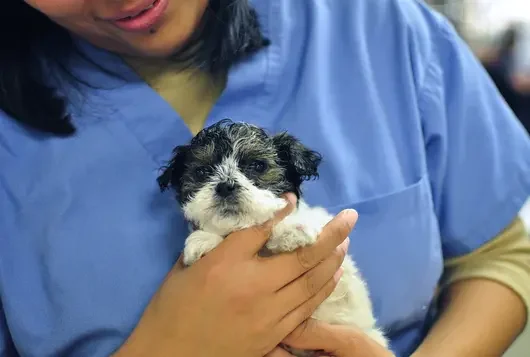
pixel 164 40
pixel 158 50
pixel 159 44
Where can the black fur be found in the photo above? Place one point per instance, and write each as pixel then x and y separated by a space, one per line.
pixel 300 162
pixel 174 170
pixel 229 32
pixel 292 162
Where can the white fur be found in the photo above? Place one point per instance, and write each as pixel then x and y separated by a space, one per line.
pixel 349 304
pixel 257 206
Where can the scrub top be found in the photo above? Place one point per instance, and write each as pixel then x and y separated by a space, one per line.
pixel 413 133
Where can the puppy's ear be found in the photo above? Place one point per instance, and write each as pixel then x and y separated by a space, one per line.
pixel 173 171
pixel 300 161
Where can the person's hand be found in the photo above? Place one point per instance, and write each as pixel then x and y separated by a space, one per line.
pixel 234 303
pixel 332 340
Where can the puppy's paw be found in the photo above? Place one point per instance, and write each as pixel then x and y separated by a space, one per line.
pixel 290 234
pixel 198 244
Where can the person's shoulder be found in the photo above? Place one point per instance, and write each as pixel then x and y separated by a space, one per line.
pixel 15 140
pixel 409 13
pixel 8 129
pixel 407 32
pixel 414 14
pixel 412 23
pixel 12 144
pixel 382 25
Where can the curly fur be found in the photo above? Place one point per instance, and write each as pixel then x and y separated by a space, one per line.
pixel 231 176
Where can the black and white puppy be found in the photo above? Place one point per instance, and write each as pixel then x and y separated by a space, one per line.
pixel 231 176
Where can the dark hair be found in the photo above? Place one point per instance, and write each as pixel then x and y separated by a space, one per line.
pixel 229 31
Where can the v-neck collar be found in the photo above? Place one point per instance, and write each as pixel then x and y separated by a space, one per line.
pixel 113 84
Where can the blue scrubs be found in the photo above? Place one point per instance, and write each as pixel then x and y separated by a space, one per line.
pixel 413 133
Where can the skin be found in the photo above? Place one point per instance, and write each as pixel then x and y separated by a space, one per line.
pixel 338 341
pixel 90 20
pixel 232 286
pixel 481 318
pixel 232 296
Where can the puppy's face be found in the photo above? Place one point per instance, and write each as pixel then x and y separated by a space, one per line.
pixel 232 175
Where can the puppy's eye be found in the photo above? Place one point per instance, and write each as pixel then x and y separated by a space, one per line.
pixel 201 172
pixel 258 166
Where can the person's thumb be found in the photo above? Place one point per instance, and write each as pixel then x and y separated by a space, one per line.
pixel 279 352
pixel 317 335
pixel 179 264
pixel 335 340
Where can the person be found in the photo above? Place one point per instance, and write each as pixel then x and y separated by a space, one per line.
pixel 521 74
pixel 420 153
pixel 500 64
pixel 508 66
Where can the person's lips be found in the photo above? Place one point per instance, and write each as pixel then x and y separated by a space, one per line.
pixel 142 17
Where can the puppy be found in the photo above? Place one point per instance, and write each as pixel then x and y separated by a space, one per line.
pixel 230 177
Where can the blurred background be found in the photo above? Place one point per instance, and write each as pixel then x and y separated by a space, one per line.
pixel 498 32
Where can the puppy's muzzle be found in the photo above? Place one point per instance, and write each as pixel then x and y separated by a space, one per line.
pixel 226 189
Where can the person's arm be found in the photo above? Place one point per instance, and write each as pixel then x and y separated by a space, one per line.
pixel 484 296
pixel 486 292
pixel 478 162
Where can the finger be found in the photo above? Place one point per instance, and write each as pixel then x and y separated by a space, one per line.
pixel 294 318
pixel 289 266
pixel 179 264
pixel 313 334
pixel 340 341
pixel 306 286
pixel 278 352
pixel 250 241
pixel 279 216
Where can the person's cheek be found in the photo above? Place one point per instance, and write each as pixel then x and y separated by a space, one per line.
pixel 75 15
pixel 56 9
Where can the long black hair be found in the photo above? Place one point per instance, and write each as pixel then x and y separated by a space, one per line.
pixel 229 31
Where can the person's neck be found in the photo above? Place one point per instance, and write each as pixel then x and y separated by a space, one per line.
pixel 191 92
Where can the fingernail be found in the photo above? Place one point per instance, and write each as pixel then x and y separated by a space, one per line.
pixel 349 214
pixel 338 274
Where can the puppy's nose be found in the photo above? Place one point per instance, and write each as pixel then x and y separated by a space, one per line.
pixel 225 189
